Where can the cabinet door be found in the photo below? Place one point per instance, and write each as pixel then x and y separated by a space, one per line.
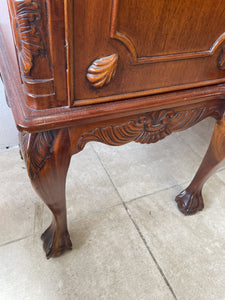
pixel 121 49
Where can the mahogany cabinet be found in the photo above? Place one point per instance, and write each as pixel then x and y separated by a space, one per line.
pixel 112 71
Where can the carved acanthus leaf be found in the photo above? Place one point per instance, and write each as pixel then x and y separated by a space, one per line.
pixel 102 70
pixel 36 150
pixel 25 14
pixel 149 128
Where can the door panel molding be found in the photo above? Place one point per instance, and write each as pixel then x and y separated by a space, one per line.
pixel 131 47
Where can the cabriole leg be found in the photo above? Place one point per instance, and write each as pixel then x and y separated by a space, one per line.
pixel 190 200
pixel 47 155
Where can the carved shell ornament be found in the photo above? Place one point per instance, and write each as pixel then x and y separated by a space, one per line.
pixel 25 15
pixel 149 128
pixel 102 70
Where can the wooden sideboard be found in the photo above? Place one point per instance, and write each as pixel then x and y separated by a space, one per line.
pixel 111 71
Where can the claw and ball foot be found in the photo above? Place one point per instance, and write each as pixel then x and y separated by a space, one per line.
pixel 55 243
pixel 190 201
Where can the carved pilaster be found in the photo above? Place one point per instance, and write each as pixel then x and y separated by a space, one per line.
pixel 25 18
pixel 28 17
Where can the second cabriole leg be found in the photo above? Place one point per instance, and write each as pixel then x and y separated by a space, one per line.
pixel 190 200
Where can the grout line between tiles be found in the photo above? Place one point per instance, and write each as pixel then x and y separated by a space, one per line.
pixel 150 252
pixel 192 148
pixel 217 178
pixel 94 213
pixel 196 153
pixel 110 179
pixel 17 240
pixel 39 232
pixel 122 203
pixel 138 230
pixel 156 192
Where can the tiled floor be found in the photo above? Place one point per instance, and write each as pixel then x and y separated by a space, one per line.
pixel 129 239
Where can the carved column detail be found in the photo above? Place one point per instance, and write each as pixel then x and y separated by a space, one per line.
pixel 29 22
pixel 102 70
pixel 150 127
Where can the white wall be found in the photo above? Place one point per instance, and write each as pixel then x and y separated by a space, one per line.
pixel 8 131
